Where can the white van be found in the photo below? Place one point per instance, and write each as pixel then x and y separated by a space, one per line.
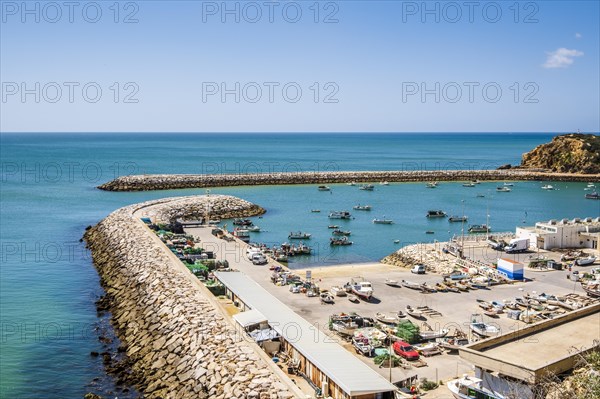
pixel 418 269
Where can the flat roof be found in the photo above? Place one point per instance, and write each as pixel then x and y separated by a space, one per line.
pixel 549 345
pixel 349 373
pixel 249 318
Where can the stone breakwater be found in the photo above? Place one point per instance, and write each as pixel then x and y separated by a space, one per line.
pixel 168 182
pixel 176 337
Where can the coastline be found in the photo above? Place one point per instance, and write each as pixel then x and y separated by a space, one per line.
pixel 178 340
pixel 182 181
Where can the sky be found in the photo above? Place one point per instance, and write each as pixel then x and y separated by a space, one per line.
pixel 300 66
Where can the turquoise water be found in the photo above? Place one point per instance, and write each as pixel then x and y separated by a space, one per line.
pixel 48 197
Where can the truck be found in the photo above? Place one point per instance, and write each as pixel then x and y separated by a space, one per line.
pixel 517 245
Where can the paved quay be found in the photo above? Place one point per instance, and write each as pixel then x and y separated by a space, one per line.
pixel 456 308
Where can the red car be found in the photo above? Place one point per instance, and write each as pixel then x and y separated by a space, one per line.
pixel 405 350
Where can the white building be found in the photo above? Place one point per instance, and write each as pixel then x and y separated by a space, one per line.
pixel 576 233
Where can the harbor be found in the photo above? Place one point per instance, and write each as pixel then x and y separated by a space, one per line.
pixel 448 310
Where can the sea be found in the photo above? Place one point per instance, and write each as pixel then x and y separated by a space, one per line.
pixel 49 323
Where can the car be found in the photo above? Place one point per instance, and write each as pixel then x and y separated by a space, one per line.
pixel 405 350
pixel 418 269
pixel 259 259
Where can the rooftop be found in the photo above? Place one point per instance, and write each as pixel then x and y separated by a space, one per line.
pixel 349 373
pixel 550 345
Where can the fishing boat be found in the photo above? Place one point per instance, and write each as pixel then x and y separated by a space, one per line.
pixel 455 219
pixel 392 283
pixel 436 214
pixel 382 317
pixel 479 228
pixel 429 232
pixel 483 329
pixel 362 289
pixel 338 232
pixel 470 184
pixel 509 184
pixel 585 261
pixel 241 234
pixel 298 235
pixel 417 314
pixel 367 187
pixel 253 229
pixel 470 388
pixel 429 335
pixel 432 184
pixel 360 207
pixel 548 187
pixel 480 196
pixel 352 183
pixel 362 347
pixel 340 241
pixel 340 215
pixel 384 183
pixel 383 221
pixel 344 327
pixel 593 195
pixel 503 189
pixel 242 222
pixel 326 297
pixel 338 291
pixel 592 289
pixel 323 188
pixel 333 226
pixel 315 210
pixel 412 285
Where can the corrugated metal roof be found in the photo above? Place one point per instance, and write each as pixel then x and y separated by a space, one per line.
pixel 249 318
pixel 349 373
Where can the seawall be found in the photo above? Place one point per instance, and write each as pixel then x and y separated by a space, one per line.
pixel 179 181
pixel 176 336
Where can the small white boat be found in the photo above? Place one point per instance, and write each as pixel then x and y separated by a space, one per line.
pixel 428 335
pixel 340 215
pixel 503 189
pixel 458 219
pixel 470 388
pixel 326 297
pixel 343 327
pixel 585 261
pixel 483 329
pixel 367 187
pixel 352 183
pixel 392 283
pixel 362 347
pixel 470 184
pixel 253 229
pixel 412 285
pixel 360 207
pixel 432 184
pixel 383 221
pixel 363 290
pixel 298 235
pixel 384 183
pixel 417 314
pixel 323 188
pixel 382 317
pixel 548 187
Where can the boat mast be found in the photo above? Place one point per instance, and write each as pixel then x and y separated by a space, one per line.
pixel 487 221
pixel 462 227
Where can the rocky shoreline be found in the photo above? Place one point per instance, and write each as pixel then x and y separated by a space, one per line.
pixel 179 181
pixel 176 338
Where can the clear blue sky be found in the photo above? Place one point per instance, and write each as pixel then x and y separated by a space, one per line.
pixel 374 61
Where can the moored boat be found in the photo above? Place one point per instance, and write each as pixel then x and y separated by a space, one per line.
pixel 432 184
pixel 360 207
pixel 253 229
pixel 338 232
pixel 469 184
pixel 340 241
pixel 594 195
pixel 436 214
pixel 479 228
pixel 383 221
pixel 299 235
pixel 324 188
pixel 367 187
pixel 503 189
pixel 548 187
pixel 457 219
pixel 340 215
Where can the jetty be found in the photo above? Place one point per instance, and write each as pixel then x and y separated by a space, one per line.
pixel 179 181
pixel 180 341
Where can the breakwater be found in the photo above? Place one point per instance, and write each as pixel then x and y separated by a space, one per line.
pixel 179 181
pixel 176 337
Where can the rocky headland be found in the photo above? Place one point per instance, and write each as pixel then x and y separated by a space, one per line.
pixel 175 335
pixel 569 153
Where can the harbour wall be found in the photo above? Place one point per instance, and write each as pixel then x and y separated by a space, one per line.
pixel 175 334
pixel 179 181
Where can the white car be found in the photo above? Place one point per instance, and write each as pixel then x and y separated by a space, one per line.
pixel 418 269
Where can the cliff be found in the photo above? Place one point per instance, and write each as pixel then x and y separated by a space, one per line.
pixel 569 153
